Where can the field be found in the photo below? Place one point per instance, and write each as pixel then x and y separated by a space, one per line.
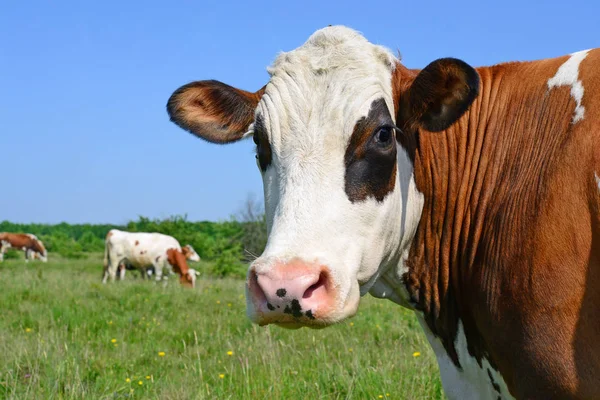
pixel 64 335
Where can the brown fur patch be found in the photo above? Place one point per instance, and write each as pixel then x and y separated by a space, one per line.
pixel 510 230
pixel 213 110
pixel 177 260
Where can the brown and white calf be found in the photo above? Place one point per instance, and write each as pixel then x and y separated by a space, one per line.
pixel 142 250
pixel 30 244
pixel 471 196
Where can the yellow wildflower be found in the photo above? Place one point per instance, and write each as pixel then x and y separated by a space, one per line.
pixel 147 376
pixel 228 304
pixel 110 322
pixel 380 396
pixel 350 349
pixel 351 323
pixel 218 301
pixel 27 330
pixel 140 383
pixel 113 340
pixel 127 380
pixel 161 353
pixel 416 354
pixel 230 353
pixel 221 376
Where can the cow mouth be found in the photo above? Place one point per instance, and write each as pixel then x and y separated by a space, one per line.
pixel 295 318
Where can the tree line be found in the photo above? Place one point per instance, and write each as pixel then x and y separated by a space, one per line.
pixel 227 246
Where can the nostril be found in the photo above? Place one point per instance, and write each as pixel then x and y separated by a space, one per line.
pixel 255 289
pixel 320 283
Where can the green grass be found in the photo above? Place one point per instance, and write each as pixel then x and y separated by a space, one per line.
pixel 58 322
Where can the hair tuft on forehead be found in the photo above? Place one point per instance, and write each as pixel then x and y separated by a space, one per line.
pixel 331 48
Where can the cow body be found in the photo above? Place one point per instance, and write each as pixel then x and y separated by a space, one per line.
pixel 471 196
pixel 142 250
pixel 32 247
pixel 188 252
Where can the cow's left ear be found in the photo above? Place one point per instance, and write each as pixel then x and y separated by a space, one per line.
pixel 439 95
pixel 214 111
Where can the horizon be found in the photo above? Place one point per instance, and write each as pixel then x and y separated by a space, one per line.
pixel 85 87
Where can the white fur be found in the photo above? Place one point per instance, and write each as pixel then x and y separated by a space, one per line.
pixel 568 75
pixel 471 381
pixel 597 180
pixel 314 98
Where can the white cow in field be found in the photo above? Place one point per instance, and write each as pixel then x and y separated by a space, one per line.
pixel 187 250
pixel 142 250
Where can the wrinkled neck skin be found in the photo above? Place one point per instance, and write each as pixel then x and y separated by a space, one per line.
pixel 435 228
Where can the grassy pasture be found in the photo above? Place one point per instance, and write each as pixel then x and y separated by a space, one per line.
pixel 64 335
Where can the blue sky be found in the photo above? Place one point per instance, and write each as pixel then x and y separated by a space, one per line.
pixel 84 136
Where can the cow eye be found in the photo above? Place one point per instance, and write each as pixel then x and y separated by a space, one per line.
pixel 384 137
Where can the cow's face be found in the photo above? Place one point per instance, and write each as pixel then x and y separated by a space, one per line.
pixel 189 253
pixel 340 198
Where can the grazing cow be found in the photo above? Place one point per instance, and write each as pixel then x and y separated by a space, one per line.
pixel 142 250
pixel 471 196
pixel 30 244
pixel 187 250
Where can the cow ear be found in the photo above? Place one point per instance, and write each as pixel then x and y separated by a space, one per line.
pixel 212 110
pixel 440 94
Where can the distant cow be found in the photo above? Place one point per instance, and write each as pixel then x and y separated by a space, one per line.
pixel 30 244
pixel 142 250
pixel 187 250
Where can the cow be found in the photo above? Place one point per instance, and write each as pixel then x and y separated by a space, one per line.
pixel 187 250
pixel 32 247
pixel 142 250
pixel 469 195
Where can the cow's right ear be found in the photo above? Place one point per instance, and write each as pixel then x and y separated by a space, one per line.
pixel 214 111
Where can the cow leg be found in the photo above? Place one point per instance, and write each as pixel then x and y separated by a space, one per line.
pixel 112 266
pixel 121 271
pixel 26 252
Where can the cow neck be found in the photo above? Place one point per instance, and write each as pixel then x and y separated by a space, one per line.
pixel 441 257
pixel 177 260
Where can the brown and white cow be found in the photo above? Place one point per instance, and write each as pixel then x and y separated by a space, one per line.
pixel 32 247
pixel 142 250
pixel 471 196
pixel 188 252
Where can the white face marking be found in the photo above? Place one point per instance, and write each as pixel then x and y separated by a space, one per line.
pixel 314 98
pixel 568 75
pixel 597 180
pixel 472 382
pixel 192 255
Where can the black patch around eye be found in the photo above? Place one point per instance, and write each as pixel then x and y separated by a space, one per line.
pixel 263 148
pixel 370 157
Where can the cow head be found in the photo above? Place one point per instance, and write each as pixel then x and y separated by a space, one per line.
pixel 341 202
pixel 188 278
pixel 189 253
pixel 177 260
